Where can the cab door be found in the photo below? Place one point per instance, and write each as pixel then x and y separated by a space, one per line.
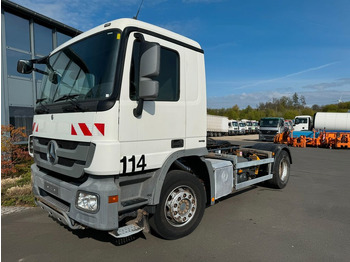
pixel 148 140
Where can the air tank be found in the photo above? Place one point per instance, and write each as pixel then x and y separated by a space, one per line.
pixel 332 121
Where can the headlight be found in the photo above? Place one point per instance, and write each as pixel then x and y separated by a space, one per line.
pixel 30 146
pixel 87 201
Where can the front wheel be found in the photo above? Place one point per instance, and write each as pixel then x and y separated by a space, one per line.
pixel 281 170
pixel 181 206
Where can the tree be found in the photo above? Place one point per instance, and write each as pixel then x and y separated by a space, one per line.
pixel 12 153
pixel 295 100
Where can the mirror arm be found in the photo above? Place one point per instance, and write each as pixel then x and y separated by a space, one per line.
pixel 140 37
pixel 138 110
pixel 40 71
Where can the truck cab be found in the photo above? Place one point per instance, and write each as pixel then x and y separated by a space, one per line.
pixel 269 127
pixel 233 127
pixel 303 123
pixel 242 128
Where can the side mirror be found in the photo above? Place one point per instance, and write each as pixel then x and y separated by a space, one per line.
pixel 149 68
pixel 24 66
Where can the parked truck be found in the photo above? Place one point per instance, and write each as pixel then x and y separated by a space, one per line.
pixel 329 121
pixel 119 135
pixel 303 123
pixel 269 127
pixel 217 125
pixel 233 128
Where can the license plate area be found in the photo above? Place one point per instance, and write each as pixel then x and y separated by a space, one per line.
pixel 52 189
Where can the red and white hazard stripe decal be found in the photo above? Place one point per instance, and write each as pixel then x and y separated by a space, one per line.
pixel 83 129
pixel 35 127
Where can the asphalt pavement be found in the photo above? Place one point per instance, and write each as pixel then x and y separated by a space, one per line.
pixel 309 220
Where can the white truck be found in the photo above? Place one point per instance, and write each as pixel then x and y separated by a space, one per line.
pixel 255 127
pixel 303 123
pixel 119 135
pixel 233 128
pixel 217 125
pixel 329 121
pixel 269 127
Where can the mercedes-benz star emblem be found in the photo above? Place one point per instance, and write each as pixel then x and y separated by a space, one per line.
pixel 52 152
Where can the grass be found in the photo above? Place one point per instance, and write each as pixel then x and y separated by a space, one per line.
pixel 17 190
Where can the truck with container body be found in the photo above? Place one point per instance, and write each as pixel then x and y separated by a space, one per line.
pixel 248 126
pixel 242 128
pixel 328 121
pixel 217 125
pixel 233 127
pixel 255 127
pixel 269 127
pixel 119 135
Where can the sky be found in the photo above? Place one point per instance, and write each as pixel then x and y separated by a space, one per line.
pixel 255 50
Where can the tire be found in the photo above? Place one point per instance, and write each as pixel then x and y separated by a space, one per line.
pixel 281 170
pixel 181 206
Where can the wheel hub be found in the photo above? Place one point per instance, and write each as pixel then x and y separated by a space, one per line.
pixel 283 170
pixel 180 206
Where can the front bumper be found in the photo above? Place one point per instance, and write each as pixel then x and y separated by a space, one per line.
pixel 58 198
pixel 266 137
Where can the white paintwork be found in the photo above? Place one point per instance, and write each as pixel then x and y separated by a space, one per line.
pixel 302 126
pixel 217 124
pixel 161 122
pixel 332 121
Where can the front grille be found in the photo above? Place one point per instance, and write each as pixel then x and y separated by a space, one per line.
pixel 71 157
pixel 268 132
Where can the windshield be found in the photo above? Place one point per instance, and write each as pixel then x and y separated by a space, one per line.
pixel 269 122
pixel 83 71
pixel 301 121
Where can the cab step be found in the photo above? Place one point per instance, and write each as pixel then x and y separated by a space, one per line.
pixel 126 231
pixel 140 223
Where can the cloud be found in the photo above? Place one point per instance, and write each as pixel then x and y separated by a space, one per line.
pixel 288 76
pixel 244 99
pixel 81 14
pixel 201 1
pixel 253 99
pixel 183 27
pixel 331 85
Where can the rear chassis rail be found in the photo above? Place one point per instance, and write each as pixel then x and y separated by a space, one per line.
pixel 231 155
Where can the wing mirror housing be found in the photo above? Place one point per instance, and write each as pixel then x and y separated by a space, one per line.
pixel 149 69
pixel 25 66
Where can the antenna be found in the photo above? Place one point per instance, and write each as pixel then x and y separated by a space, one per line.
pixel 138 11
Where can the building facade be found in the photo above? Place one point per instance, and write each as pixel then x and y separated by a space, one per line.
pixel 25 34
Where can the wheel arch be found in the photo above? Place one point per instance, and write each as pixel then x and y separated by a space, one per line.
pixel 192 161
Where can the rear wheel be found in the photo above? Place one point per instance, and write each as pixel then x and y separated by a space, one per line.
pixel 181 206
pixel 281 170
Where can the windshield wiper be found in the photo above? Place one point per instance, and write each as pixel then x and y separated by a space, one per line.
pixel 76 105
pixel 44 109
pixel 66 97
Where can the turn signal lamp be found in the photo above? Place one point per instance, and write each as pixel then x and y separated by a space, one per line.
pixel 113 199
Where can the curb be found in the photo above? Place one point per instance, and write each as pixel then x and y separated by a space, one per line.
pixel 11 210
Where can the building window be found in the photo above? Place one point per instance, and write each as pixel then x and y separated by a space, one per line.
pixel 17 32
pixel 62 38
pixel 12 59
pixel 169 88
pixel 22 117
pixel 42 40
